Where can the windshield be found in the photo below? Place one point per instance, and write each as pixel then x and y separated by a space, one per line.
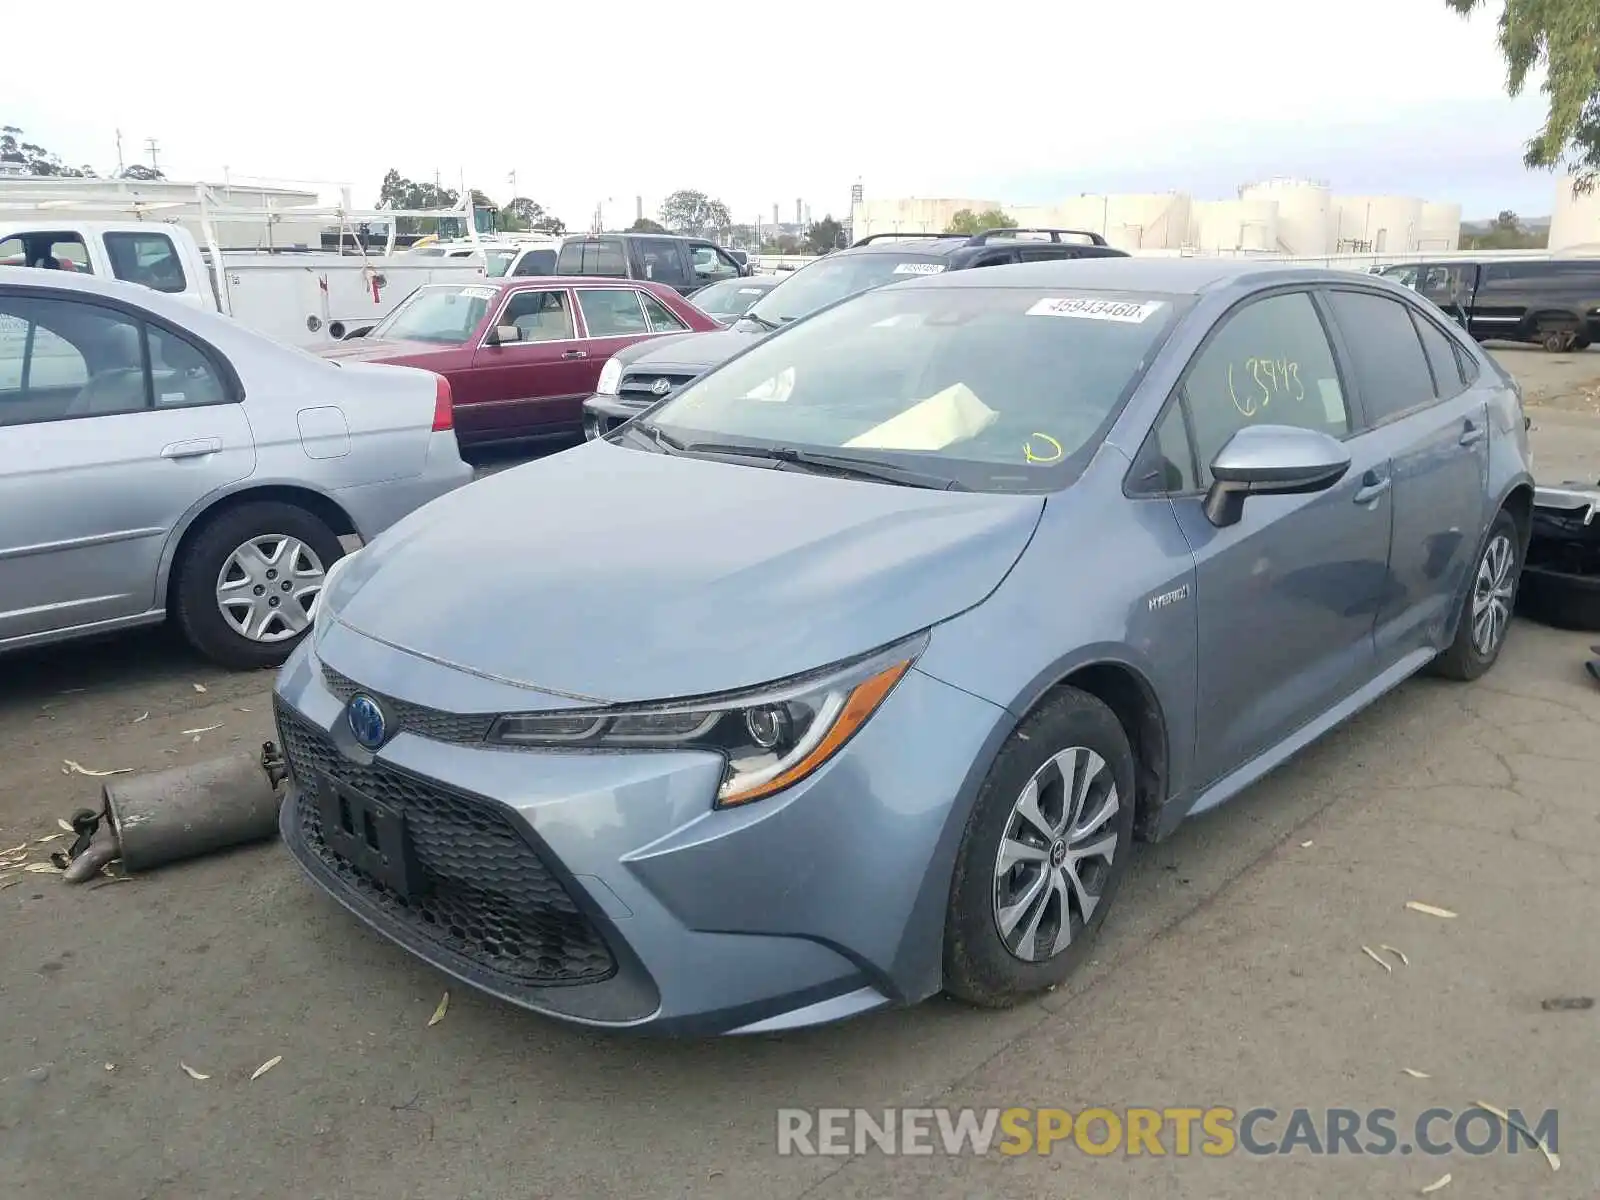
pixel 730 297
pixel 498 262
pixel 443 314
pixel 835 277
pixel 990 388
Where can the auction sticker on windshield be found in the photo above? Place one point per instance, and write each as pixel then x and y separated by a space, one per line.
pixel 918 268
pixel 479 293
pixel 1128 312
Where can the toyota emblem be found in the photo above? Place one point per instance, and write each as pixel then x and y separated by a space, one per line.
pixel 661 387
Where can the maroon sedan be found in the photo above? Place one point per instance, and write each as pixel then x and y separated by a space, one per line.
pixel 522 355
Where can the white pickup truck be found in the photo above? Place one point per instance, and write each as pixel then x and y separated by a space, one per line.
pixel 306 298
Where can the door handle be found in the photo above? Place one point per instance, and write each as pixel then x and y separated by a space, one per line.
pixel 575 354
pixel 197 448
pixel 1472 434
pixel 1372 487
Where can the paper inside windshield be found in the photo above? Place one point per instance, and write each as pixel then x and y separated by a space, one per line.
pixel 941 420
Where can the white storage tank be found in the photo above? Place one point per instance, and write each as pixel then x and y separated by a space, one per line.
pixel 1228 226
pixel 1147 221
pixel 912 215
pixel 1575 220
pixel 1376 224
pixel 1441 228
pixel 1304 208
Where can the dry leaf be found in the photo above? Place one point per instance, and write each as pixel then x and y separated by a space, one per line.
pixel 43 868
pixel 1429 909
pixel 9 883
pixel 1373 955
pixel 265 1067
pixel 1416 1074
pixel 187 1069
pixel 203 729
pixel 1306 845
pixel 111 1066
pixel 244 710
pixel 14 849
pixel 1398 953
pixel 1437 1183
pixel 199 687
pixel 49 837
pixel 80 769
pixel 438 1013
pixel 1550 1156
pixel 145 717
pixel 65 826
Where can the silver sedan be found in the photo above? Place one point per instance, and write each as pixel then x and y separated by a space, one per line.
pixel 156 461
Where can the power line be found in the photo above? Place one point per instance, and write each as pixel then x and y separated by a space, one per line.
pixel 153 146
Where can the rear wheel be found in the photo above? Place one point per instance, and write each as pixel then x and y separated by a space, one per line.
pixel 1558 341
pixel 1485 616
pixel 246 583
pixel 1043 853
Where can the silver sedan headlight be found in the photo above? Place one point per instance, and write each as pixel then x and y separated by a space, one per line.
pixel 770 738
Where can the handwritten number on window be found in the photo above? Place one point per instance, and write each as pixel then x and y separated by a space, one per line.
pixel 1255 384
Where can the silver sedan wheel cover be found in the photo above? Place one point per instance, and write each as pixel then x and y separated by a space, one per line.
pixel 1055 854
pixel 1491 594
pixel 267 586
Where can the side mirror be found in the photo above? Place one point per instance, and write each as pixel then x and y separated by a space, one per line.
pixel 1271 460
pixel 501 334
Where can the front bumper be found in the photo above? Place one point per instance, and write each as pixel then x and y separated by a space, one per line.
pixel 602 414
pixel 603 889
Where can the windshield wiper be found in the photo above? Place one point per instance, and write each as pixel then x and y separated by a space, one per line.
pixel 747 315
pixel 653 434
pixel 840 464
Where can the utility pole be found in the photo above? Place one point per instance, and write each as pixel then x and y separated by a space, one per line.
pixel 152 145
pixel 119 152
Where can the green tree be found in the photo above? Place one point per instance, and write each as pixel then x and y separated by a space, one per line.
pixel 140 171
pixel 646 225
pixel 1505 232
pixel 1561 38
pixel 688 211
pixel 397 191
pixel 967 221
pixel 35 159
pixel 521 213
pixel 825 235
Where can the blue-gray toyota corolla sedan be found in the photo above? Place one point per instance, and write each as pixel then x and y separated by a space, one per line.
pixel 848 674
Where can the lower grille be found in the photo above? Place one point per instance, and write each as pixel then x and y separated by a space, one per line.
pixel 486 897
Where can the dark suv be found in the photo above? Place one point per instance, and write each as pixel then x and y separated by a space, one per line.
pixel 684 264
pixel 639 376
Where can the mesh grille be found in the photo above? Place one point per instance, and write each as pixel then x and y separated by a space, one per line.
pixel 462 728
pixel 485 895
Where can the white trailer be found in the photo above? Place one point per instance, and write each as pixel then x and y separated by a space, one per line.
pixel 303 297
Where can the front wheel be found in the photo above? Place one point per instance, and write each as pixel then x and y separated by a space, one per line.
pixel 1043 853
pixel 246 584
pixel 1485 616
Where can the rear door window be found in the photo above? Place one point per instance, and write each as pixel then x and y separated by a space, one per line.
pixel 1391 369
pixel 1448 377
pixel 612 312
pixel 146 258
pixel 595 256
pixel 661 260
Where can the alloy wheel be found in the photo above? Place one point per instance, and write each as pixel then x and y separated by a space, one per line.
pixel 267 586
pixel 1491 595
pixel 1055 854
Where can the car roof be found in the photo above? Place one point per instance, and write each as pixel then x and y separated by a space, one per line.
pixel 1174 276
pixel 522 281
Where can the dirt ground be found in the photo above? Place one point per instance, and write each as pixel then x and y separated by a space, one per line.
pixel 1231 973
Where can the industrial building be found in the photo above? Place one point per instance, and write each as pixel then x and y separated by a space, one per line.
pixel 1575 220
pixel 1276 216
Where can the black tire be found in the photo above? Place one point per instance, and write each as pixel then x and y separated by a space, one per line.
pixel 979 967
pixel 1464 660
pixel 1560 599
pixel 194 589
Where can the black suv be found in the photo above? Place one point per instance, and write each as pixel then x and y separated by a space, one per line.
pixel 649 371
pixel 684 264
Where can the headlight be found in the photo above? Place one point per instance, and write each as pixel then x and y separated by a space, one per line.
pixel 770 738
pixel 610 376
pixel 329 578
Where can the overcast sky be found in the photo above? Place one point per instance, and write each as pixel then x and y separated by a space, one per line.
pixel 761 104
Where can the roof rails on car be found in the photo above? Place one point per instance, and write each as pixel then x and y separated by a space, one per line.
pixel 874 237
pixel 979 239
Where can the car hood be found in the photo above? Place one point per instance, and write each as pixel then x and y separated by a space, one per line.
pixel 693 353
pixel 640 576
pixel 369 350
